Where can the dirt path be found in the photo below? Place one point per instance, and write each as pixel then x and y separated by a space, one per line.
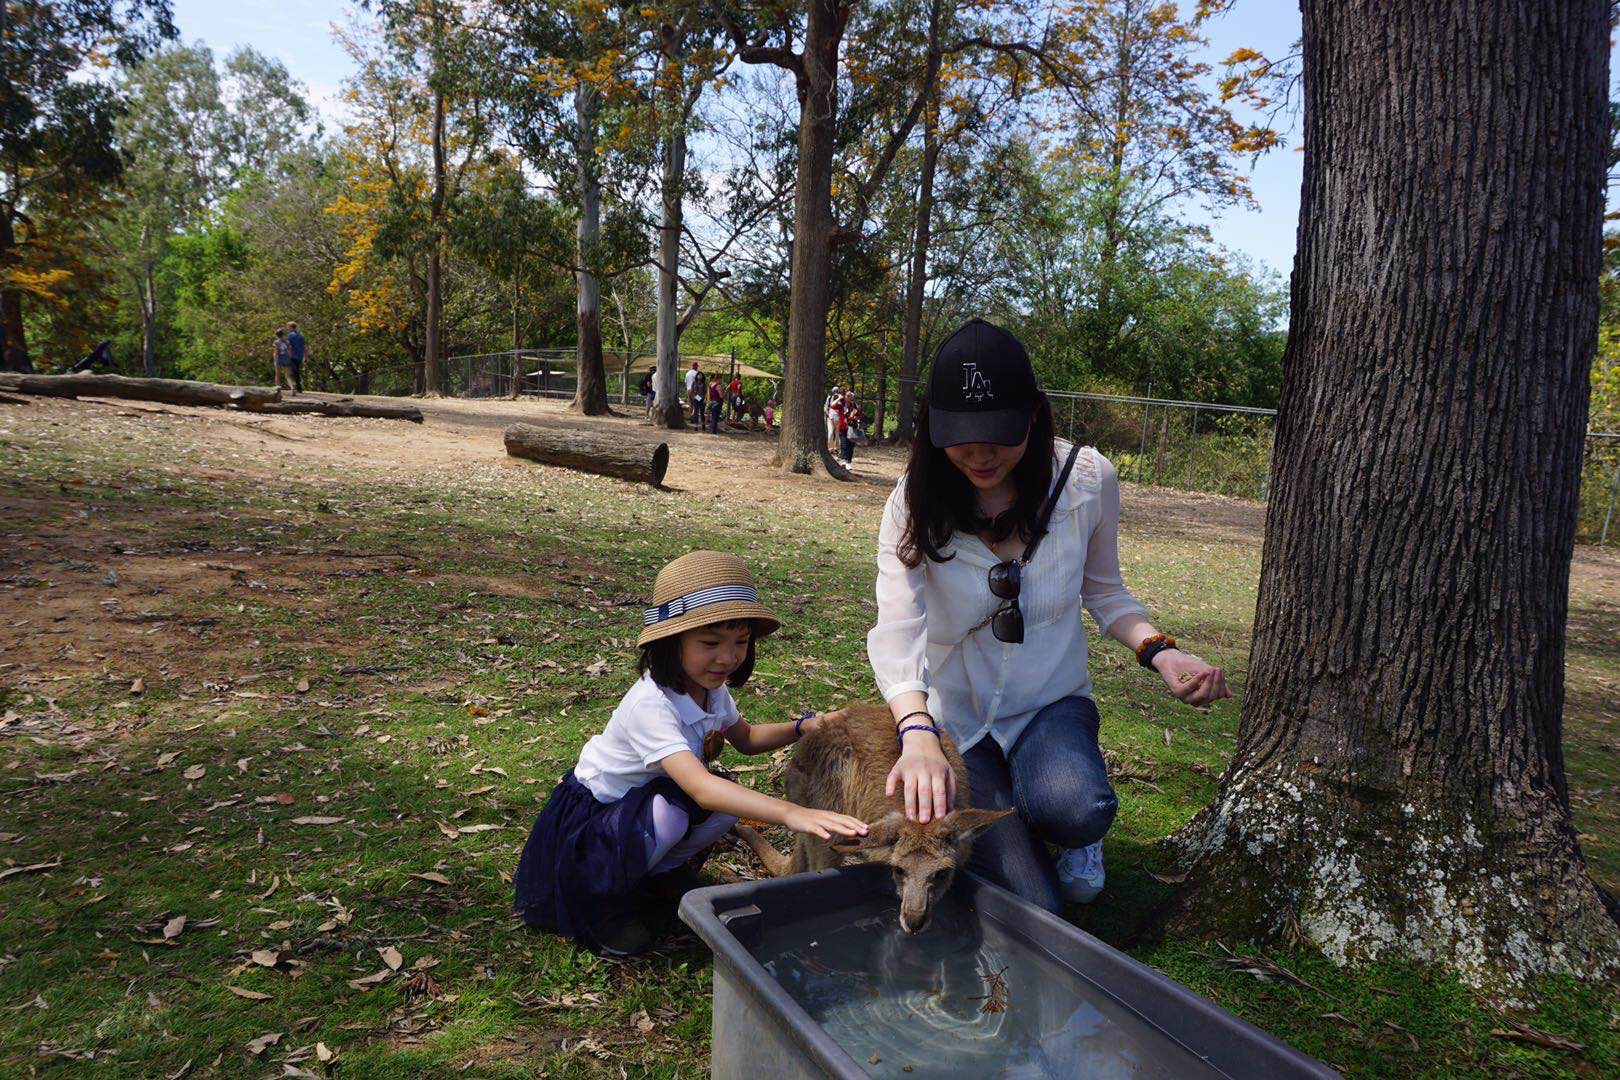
pixel 458 433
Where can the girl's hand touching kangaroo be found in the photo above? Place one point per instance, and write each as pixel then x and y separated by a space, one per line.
pixel 823 823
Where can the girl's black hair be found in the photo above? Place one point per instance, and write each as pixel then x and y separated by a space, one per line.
pixel 940 501
pixel 663 658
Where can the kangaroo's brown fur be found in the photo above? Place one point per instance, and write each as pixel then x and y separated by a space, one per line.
pixel 844 766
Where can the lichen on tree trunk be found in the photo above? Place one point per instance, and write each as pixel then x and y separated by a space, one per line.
pixel 1397 791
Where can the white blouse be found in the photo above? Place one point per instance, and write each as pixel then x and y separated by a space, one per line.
pixel 932 629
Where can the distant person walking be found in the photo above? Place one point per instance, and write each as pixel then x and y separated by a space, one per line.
pixel 646 391
pixel 697 390
pixel 295 351
pixel 283 360
pixel 829 411
pixel 734 392
pixel 848 417
pixel 717 404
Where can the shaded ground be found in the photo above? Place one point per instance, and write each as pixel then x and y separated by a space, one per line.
pixel 305 681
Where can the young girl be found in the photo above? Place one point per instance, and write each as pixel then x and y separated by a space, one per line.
pixel 624 830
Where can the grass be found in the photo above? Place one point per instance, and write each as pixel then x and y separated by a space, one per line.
pixel 446 625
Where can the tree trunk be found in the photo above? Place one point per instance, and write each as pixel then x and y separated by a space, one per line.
pixel 374 410
pixel 669 410
pixel 517 333
pixel 804 433
pixel 149 323
pixel 590 391
pixel 911 347
pixel 13 339
pixel 169 391
pixel 1398 787
pixel 607 455
pixel 435 289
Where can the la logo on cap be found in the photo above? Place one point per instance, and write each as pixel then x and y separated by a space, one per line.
pixel 975 387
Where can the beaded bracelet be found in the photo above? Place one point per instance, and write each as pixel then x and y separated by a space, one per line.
pixel 900 736
pixel 1152 647
pixel 798 725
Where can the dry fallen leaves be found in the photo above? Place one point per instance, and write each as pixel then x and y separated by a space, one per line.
pixel 1525 1033
pixel 303 686
pixel 429 875
pixel 174 926
pixel 251 995
pixel 317 819
pixel 195 772
pixel 138 686
pixel 31 867
pixel 259 1045
pixel 391 957
pixel 266 957
pixel 370 980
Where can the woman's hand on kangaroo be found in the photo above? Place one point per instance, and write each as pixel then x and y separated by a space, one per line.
pixel 1191 679
pixel 925 776
pixel 823 823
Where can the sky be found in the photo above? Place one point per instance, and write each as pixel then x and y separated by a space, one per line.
pixel 299 33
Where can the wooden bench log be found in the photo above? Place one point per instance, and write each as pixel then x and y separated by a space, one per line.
pixel 168 391
pixel 607 455
pixel 317 407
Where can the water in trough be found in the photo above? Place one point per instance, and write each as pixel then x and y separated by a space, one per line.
pixel 968 996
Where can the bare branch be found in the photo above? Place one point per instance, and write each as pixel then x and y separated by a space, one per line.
pixel 757 52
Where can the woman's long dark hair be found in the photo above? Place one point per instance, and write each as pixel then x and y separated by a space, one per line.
pixel 940 501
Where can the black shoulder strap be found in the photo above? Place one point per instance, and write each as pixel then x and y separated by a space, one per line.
pixel 1050 505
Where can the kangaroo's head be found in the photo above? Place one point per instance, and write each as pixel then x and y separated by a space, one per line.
pixel 924 858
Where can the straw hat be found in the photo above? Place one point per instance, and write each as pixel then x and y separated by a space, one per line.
pixel 700 588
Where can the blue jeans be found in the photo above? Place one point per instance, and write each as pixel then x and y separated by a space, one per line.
pixel 1055 778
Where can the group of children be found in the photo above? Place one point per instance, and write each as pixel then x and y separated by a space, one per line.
pixel 622 836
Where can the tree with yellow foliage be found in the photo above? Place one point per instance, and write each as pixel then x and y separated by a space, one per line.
pixel 423 125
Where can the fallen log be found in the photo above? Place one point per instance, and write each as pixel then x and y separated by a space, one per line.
pixel 378 411
pixel 589 452
pixel 168 391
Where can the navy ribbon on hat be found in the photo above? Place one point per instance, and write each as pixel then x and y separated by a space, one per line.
pixel 714 594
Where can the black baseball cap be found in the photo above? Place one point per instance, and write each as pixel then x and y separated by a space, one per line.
pixel 981 388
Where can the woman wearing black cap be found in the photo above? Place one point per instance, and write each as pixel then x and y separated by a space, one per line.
pixel 994 538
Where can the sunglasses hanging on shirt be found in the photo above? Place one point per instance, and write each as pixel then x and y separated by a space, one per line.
pixel 1007 578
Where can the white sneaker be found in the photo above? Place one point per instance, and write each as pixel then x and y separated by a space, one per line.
pixel 1080 873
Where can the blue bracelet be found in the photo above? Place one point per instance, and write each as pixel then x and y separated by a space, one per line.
pixel 798 725
pixel 900 736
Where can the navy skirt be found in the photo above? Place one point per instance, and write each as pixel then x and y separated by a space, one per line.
pixel 584 858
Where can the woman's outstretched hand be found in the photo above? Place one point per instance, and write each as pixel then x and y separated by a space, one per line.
pixel 925 776
pixel 1191 679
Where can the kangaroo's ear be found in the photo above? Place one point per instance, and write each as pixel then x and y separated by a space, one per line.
pixel 880 837
pixel 964 826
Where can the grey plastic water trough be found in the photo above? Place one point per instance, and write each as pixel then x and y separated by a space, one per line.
pixel 1062 1004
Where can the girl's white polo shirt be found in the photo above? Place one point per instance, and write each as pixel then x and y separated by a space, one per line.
pixel 651 723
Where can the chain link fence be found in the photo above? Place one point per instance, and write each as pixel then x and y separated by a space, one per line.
pixel 1226 450
pixel 1190 445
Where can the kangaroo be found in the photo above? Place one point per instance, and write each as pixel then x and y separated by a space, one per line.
pixel 843 765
